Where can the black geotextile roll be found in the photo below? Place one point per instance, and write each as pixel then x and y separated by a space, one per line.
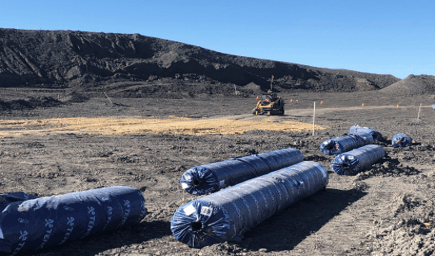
pixel 401 140
pixel 357 160
pixel 211 177
pixel 345 143
pixel 364 130
pixel 228 213
pixel 29 223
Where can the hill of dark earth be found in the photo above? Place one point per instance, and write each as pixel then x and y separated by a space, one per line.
pixel 132 65
pixel 412 85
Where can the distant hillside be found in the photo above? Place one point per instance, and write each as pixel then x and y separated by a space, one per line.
pixel 412 85
pixel 139 66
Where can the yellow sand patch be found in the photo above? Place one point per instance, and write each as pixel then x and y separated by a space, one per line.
pixel 174 125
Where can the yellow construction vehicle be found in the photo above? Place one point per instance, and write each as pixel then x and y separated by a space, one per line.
pixel 270 104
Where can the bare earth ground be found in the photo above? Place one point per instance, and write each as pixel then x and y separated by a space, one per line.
pixel 387 210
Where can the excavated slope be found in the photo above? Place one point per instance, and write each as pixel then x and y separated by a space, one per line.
pixel 412 85
pixel 133 65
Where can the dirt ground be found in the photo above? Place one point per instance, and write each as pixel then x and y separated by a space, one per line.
pixel 386 210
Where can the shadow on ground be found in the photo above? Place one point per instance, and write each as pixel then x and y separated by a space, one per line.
pixel 290 227
pixel 112 240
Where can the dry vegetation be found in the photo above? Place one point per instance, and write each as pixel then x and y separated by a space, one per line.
pixel 137 125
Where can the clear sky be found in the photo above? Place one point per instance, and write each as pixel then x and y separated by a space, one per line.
pixel 382 36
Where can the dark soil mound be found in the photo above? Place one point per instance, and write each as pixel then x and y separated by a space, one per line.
pixel 143 66
pixel 412 85
pixel 29 103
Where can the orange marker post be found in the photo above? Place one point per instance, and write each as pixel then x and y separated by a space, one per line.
pixel 291 100
pixel 362 105
pixel 397 106
pixel 321 102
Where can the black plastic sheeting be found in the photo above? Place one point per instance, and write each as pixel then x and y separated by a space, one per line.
pixel 211 177
pixel 358 130
pixel 28 223
pixel 7 198
pixel 357 160
pixel 345 143
pixel 401 140
pixel 227 214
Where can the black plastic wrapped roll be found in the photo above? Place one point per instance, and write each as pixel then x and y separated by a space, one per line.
pixel 228 213
pixel 211 177
pixel 377 136
pixel 28 225
pixel 401 140
pixel 345 143
pixel 357 160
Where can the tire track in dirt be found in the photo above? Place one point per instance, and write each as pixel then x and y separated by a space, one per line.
pixel 307 112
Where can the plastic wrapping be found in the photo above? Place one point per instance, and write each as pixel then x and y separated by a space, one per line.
pixel 358 130
pixel 211 177
pixel 401 140
pixel 357 160
pixel 433 106
pixel 7 198
pixel 30 225
pixel 227 214
pixel 345 143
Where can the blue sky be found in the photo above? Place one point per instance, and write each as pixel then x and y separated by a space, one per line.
pixel 383 37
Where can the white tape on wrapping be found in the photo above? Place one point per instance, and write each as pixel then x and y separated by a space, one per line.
pixel 1 234
pixel 206 211
pixel 188 210
pixel 184 185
